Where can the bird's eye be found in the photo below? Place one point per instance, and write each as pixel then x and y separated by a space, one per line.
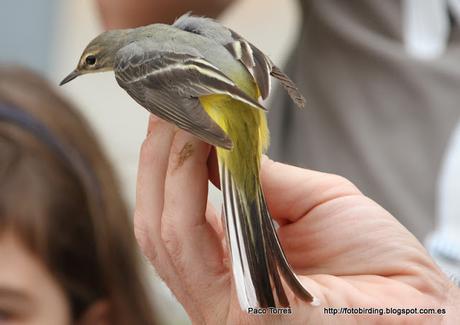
pixel 90 60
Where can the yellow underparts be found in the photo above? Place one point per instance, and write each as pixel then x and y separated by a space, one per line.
pixel 247 128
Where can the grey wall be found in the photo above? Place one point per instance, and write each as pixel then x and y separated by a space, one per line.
pixel 26 32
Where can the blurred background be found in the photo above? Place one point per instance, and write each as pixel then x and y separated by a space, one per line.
pixel 49 35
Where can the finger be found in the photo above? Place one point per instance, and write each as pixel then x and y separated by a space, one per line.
pixel 291 192
pixel 153 165
pixel 191 242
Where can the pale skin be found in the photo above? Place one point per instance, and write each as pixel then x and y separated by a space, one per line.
pixel 348 251
pixel 30 295
pixel 28 292
pixel 127 14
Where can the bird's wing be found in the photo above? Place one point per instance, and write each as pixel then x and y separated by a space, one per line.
pixel 169 84
pixel 259 65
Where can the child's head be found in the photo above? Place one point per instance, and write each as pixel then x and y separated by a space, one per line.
pixel 60 212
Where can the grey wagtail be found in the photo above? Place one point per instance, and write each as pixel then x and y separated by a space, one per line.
pixel 207 79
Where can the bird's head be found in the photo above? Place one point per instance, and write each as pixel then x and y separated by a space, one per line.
pixel 99 55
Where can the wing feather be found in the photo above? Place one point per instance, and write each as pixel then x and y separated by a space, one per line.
pixel 257 63
pixel 169 85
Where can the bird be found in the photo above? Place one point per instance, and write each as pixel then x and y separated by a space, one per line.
pixel 208 80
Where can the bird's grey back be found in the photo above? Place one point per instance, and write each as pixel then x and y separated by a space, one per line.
pixel 205 26
pixel 163 37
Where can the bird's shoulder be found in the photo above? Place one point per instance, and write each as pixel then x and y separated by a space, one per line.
pixel 255 61
pixel 147 49
pixel 206 27
pixel 148 54
pixel 161 45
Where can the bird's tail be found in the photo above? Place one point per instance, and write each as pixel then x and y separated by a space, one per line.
pixel 289 86
pixel 259 265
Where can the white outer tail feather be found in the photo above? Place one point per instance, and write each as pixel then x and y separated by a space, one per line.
pixel 259 265
pixel 243 282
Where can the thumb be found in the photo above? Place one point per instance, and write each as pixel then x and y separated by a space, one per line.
pixel 291 192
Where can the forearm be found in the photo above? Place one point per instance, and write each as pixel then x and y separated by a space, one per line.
pixel 125 14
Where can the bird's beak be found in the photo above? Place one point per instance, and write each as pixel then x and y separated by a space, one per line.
pixel 75 73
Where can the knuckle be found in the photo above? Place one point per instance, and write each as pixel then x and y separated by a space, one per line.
pixel 152 255
pixel 144 241
pixel 342 184
pixel 140 232
pixel 171 240
pixel 145 245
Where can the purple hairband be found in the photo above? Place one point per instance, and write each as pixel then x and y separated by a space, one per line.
pixel 64 152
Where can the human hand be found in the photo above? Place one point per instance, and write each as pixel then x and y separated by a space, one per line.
pixel 347 250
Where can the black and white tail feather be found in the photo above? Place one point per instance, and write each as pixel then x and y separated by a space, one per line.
pixel 258 261
pixel 258 64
